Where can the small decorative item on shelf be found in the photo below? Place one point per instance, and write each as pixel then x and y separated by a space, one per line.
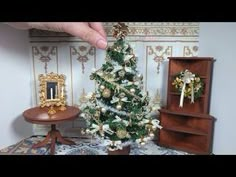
pixel 52 92
pixel 189 85
pixel 119 112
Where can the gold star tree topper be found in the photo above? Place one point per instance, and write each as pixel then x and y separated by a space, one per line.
pixel 120 30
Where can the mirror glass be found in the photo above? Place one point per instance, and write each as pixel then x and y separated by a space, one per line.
pixel 52 90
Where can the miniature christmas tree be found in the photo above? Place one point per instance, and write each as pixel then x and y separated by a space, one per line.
pixel 119 110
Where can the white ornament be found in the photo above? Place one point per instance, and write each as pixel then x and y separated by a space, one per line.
pixel 82 115
pixel 83 132
pixel 142 143
pixel 140 76
pixel 132 90
pixel 87 131
pixel 119 107
pixel 151 135
pixel 102 87
pixel 122 95
pixel 103 110
pixel 94 70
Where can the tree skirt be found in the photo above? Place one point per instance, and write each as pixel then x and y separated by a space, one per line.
pixel 84 146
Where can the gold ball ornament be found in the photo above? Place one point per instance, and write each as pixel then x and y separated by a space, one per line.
pixel 106 93
pixel 121 133
pixel 118 107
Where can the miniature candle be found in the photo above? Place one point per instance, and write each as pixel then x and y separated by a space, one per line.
pixel 51 91
pixel 56 92
pixel 62 91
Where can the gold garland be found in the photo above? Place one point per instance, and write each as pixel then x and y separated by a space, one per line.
pixel 118 86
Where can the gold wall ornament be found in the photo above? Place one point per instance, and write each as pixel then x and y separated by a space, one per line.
pixel 160 54
pixel 52 91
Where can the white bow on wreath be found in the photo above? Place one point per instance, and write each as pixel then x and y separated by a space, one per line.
pixel 187 78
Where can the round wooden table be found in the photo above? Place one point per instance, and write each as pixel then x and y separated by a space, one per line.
pixel 38 115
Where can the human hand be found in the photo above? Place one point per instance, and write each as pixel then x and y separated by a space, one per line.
pixel 91 32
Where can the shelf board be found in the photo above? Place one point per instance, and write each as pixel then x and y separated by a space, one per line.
pixel 185 130
pixel 202 77
pixel 187 114
pixel 191 58
pixel 178 94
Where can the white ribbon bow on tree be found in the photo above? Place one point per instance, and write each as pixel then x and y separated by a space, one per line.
pixel 128 83
pixel 187 78
pixel 101 128
pixel 118 68
pixel 118 119
pixel 116 99
pixel 128 57
pixel 154 122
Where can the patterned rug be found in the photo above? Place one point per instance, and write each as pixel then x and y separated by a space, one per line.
pixel 84 146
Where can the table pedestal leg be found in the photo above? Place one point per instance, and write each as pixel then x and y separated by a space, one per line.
pixel 55 136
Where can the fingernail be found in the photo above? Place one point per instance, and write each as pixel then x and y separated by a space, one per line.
pixel 101 44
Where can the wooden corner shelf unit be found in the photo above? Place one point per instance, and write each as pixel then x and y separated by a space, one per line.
pixel 188 128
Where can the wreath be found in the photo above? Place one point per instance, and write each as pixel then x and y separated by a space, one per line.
pixel 188 85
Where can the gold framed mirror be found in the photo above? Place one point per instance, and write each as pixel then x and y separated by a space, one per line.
pixel 52 91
